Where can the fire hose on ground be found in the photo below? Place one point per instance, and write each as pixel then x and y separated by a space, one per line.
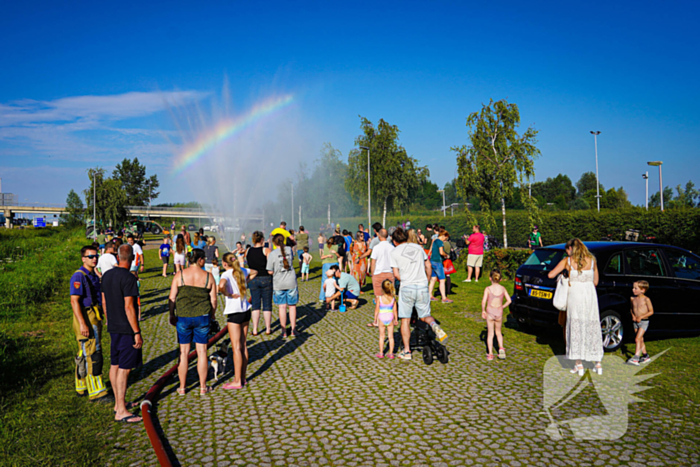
pixel 152 394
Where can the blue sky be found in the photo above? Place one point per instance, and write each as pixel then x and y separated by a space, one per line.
pixel 85 84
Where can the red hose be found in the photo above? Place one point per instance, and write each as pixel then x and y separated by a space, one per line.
pixel 149 399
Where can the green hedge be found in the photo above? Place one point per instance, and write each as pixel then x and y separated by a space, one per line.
pixel 505 260
pixel 679 227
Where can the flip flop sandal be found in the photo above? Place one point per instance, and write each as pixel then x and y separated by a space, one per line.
pixel 489 357
pixel 379 355
pixel 127 418
pixel 130 405
pixel 255 333
pixel 205 391
pixel 371 325
pixel 181 392
pixel 390 356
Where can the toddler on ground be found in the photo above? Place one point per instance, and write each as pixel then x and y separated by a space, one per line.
pixel 492 311
pixel 386 316
pixel 330 287
pixel 305 264
pixel 641 309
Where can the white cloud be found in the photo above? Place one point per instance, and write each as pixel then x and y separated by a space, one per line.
pixel 89 128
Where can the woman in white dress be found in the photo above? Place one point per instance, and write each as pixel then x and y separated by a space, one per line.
pixel 584 339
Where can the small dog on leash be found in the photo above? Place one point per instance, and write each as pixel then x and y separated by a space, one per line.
pixel 218 360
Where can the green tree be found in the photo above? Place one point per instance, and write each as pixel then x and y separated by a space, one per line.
pixel 110 198
pixel 497 159
pixel 427 195
pixel 75 211
pixel 394 174
pixel 138 189
pixel 687 197
pixel 586 184
pixel 614 199
pixel 553 188
pixel 655 199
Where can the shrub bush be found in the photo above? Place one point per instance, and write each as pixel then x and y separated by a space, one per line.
pixel 679 227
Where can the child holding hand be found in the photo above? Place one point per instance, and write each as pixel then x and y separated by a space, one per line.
pixel 641 309
pixel 492 311
pixel 386 316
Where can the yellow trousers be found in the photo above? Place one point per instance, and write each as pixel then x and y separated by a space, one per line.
pixel 88 363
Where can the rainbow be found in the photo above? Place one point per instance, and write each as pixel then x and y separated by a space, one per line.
pixel 226 129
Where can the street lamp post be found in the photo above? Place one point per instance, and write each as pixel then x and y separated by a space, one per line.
pixel 292 219
pixel 597 182
pixel 645 176
pixel 443 201
pixel 94 206
pixel 661 184
pixel 369 193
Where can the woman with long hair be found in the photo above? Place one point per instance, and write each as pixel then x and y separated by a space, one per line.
pixel 284 283
pixel 180 252
pixel 260 285
pixel 359 261
pixel 233 285
pixel 329 257
pixel 413 237
pixel 584 340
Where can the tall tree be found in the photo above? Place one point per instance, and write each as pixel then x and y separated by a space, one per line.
pixel 394 174
pixel 587 183
pixel 427 195
pixel 498 158
pixel 110 198
pixel 655 199
pixel 139 189
pixel 75 211
pixel 688 196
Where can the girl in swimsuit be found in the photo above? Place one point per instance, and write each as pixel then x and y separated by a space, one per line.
pixel 492 311
pixel 386 315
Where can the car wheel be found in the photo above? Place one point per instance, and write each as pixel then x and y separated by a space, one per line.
pixel 156 231
pixel 427 355
pixel 613 330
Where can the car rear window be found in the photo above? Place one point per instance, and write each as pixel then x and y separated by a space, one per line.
pixel 645 262
pixel 684 265
pixel 544 259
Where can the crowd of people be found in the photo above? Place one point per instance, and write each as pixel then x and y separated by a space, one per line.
pixel 404 265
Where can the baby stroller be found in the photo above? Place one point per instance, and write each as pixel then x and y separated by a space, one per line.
pixel 423 338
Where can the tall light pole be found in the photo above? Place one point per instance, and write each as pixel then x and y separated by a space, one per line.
pixel 369 193
pixel 443 201
pixel 661 184
pixel 292 219
pixel 645 176
pixel 94 206
pixel 597 182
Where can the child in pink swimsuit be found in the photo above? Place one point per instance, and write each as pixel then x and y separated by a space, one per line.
pixel 492 311
pixel 386 315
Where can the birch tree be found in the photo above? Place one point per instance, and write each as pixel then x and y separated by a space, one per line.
pixel 393 173
pixel 497 160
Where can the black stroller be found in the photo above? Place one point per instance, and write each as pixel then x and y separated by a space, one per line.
pixel 423 338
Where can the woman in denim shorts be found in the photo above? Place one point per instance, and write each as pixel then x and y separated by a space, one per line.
pixel 284 283
pixel 261 285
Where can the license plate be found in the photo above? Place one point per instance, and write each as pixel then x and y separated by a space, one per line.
pixel 540 294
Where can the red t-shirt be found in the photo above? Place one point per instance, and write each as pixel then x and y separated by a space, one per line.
pixel 476 244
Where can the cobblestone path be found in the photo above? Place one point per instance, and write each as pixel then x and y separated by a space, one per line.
pixel 324 399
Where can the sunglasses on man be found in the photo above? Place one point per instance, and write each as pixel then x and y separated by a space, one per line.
pixel 91 256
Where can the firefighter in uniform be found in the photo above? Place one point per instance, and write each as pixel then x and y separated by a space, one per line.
pixel 87 325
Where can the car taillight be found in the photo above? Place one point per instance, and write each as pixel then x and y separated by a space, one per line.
pixel 519 284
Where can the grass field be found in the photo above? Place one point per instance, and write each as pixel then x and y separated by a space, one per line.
pixel 42 422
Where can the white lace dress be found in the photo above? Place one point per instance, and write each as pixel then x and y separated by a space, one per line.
pixel 584 339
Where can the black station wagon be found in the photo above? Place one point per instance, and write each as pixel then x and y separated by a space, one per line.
pixel 674 288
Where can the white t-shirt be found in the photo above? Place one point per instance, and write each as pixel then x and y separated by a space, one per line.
pixel 106 262
pixel 409 259
pixel 329 287
pixel 234 305
pixel 381 253
pixel 138 252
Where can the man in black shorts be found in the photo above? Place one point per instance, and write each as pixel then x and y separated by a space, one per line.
pixel 119 293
